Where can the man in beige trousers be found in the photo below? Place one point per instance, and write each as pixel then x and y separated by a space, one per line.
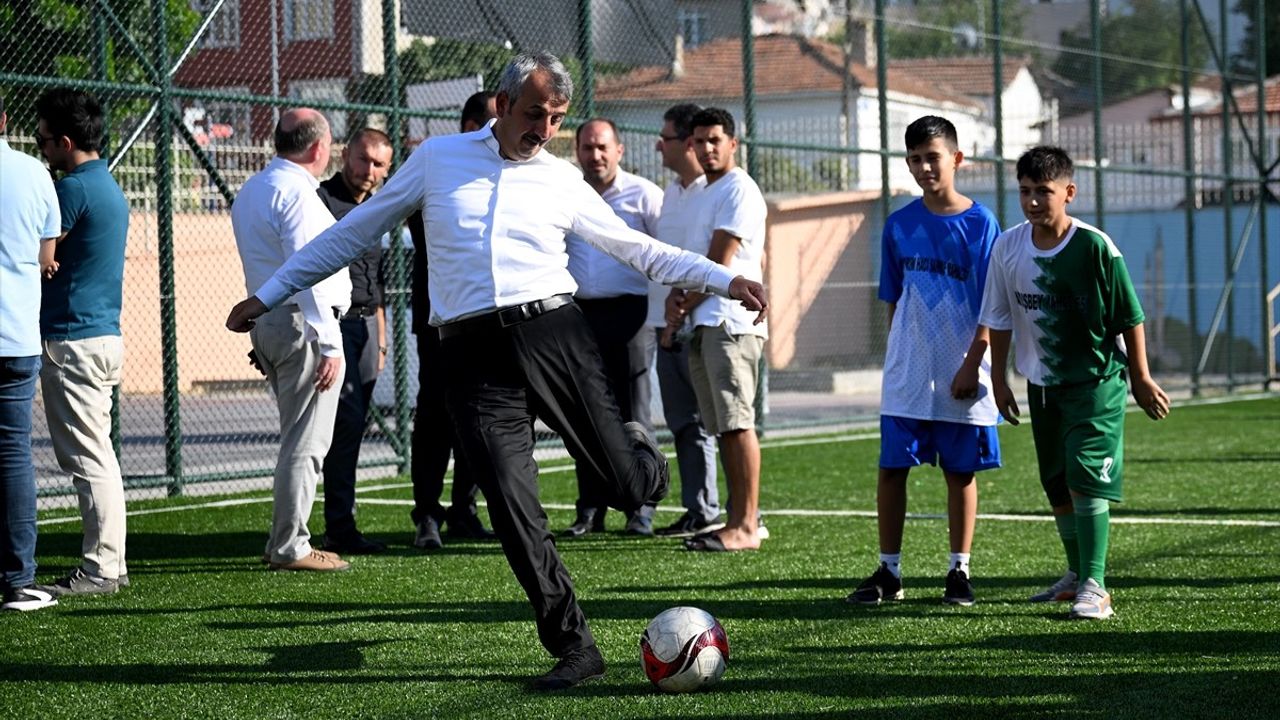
pixel 298 345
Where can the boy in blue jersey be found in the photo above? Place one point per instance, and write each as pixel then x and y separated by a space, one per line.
pixel 936 404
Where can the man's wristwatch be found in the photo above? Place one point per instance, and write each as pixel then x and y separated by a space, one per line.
pixel 382 349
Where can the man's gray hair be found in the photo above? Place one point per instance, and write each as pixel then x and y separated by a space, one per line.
pixel 517 72
pixel 301 136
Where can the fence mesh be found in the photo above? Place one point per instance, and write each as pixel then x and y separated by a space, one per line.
pixel 193 89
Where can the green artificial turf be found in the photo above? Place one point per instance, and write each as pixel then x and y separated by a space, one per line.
pixel 206 631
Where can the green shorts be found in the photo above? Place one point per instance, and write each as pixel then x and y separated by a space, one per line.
pixel 1079 436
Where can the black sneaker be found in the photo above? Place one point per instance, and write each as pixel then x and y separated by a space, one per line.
pixel 959 590
pixel 353 544
pixel 882 586
pixel 640 439
pixel 467 526
pixel 688 526
pixel 577 667
pixel 26 599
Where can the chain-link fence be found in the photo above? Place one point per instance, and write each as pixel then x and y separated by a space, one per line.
pixel 1173 121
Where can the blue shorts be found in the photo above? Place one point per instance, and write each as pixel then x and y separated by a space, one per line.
pixel 906 443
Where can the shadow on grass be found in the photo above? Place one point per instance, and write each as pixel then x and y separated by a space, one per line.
pixel 1214 459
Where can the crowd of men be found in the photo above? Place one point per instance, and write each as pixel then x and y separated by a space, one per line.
pixel 552 302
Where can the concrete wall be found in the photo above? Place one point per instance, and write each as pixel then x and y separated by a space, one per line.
pixel 208 281
pixel 818 266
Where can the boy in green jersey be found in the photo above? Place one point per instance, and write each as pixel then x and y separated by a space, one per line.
pixel 1059 288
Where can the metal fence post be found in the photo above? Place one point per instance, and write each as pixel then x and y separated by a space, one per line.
pixel 400 339
pixel 748 131
pixel 1228 206
pixel 882 99
pixel 1099 149
pixel 164 247
pixel 1259 78
pixel 588 93
pixel 1190 200
pixel 997 54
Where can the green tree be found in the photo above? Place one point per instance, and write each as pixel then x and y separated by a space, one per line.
pixel 948 28
pixel 57 38
pixel 1149 39
pixel 1245 61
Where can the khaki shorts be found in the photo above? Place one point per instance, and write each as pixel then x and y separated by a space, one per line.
pixel 725 370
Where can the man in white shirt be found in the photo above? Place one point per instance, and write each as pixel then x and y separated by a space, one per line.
pixel 724 354
pixel 30 216
pixel 614 299
pixel 299 343
pixel 514 344
pixel 695 447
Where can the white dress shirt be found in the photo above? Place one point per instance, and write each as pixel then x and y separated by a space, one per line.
pixel 638 202
pixel 495 230
pixel 276 214
pixel 733 204
pixel 673 229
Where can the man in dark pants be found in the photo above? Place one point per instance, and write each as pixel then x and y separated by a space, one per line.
pixel 515 346
pixel 614 299
pixel 365 162
pixel 434 439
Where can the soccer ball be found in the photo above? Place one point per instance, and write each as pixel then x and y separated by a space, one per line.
pixel 683 649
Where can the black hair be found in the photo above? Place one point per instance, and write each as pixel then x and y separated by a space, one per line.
pixel 577 134
pixel 476 109
pixel 681 118
pixel 72 113
pixel 1046 163
pixel 712 116
pixel 301 136
pixel 924 129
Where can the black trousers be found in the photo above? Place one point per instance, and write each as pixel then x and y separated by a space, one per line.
pixel 360 352
pixel 614 322
pixel 434 440
pixel 500 380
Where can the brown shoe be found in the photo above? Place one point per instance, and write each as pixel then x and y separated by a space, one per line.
pixel 317 561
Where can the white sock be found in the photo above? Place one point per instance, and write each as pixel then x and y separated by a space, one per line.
pixel 893 562
pixel 959 561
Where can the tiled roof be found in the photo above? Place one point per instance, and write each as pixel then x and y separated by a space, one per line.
pixel 1247 98
pixel 971 75
pixel 784 65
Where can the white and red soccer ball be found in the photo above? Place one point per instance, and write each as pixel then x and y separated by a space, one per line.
pixel 684 649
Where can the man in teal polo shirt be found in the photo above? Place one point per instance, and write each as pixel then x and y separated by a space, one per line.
pixel 80 327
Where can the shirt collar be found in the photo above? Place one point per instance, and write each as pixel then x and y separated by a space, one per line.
pixel 88 165
pixel 293 167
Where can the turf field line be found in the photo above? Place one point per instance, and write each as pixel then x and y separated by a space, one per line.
pixel 1007 517
pixel 155 511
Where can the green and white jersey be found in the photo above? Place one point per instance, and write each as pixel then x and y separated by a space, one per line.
pixel 1066 306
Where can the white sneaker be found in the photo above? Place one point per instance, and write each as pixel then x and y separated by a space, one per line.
pixel 27 598
pixel 1061 591
pixel 1092 602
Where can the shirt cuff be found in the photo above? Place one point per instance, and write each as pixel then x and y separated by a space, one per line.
pixel 272 293
pixel 717 280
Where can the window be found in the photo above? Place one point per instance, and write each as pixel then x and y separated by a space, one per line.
pixel 308 20
pixel 331 90
pixel 693 27
pixel 224 30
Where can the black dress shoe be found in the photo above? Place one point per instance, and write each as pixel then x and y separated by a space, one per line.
pixel 641 441
pixel 356 544
pixel 467 527
pixel 577 667
pixel 426 535
pixel 588 521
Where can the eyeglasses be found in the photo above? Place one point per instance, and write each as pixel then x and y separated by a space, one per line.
pixel 40 139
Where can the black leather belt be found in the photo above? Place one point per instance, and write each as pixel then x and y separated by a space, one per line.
pixel 361 311
pixel 506 317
